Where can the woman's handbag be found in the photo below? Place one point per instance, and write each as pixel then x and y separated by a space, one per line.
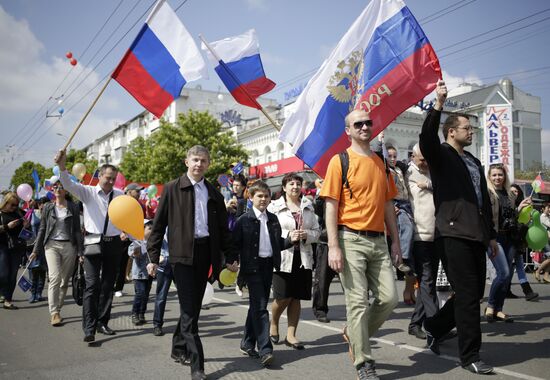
pixel 79 284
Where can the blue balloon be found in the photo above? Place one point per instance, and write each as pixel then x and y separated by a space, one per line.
pixel 73 178
pixel 61 110
pixel 56 171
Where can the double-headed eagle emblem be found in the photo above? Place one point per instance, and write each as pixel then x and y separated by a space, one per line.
pixel 347 85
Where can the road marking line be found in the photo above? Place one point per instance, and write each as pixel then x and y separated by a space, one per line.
pixel 395 344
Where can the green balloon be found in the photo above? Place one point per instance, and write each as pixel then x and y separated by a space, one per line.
pixel 536 237
pixel 525 214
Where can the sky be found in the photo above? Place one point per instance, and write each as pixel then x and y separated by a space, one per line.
pixel 476 41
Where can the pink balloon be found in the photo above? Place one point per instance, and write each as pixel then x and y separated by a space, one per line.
pixel 24 191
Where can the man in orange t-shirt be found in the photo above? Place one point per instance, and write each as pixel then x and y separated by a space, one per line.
pixel 357 247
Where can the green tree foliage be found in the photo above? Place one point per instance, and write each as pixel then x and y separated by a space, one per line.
pixel 135 164
pixel 23 174
pixel 160 158
pixel 79 156
pixel 533 171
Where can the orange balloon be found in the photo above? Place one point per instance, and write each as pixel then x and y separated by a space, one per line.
pixel 127 215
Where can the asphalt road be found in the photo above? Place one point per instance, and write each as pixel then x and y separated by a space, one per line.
pixel 31 349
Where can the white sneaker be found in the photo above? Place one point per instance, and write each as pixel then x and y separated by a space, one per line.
pixel 238 291
pixel 118 294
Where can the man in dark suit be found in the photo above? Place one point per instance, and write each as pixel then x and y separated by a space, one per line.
pixel 194 212
pixel 463 230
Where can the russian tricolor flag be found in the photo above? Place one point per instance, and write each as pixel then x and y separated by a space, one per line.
pixel 161 60
pixel 240 68
pixel 383 65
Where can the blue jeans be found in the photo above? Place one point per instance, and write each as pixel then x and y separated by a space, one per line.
pixel 502 263
pixel 9 265
pixel 406 231
pixel 164 280
pixel 142 289
pixel 520 268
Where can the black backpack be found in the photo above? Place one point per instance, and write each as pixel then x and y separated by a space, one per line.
pixel 344 161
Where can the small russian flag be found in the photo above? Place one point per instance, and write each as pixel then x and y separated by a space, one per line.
pixel 24 283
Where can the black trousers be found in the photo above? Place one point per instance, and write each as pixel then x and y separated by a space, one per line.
pixel 426 262
pixel 322 278
pixel 121 270
pixel 99 272
pixel 464 262
pixel 256 329
pixel 191 281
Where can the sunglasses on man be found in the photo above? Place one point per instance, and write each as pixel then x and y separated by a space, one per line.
pixel 360 124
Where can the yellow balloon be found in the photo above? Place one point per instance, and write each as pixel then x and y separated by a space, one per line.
pixel 127 215
pixel 227 277
pixel 79 170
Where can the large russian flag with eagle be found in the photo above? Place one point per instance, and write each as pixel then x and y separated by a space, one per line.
pixel 383 65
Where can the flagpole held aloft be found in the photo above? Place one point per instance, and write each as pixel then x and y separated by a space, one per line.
pixel 70 139
pixel 250 97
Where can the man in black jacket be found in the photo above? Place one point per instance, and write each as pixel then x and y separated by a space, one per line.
pixel 194 212
pixel 463 230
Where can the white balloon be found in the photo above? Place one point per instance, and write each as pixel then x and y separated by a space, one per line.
pixel 208 294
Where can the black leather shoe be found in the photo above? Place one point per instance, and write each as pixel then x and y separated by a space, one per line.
pixel 105 330
pixel 182 359
pixel 266 359
pixel 417 332
pixel 250 352
pixel 296 346
pixel 198 375
pixel 323 318
pixel 157 331
pixel 479 367
pixel 89 338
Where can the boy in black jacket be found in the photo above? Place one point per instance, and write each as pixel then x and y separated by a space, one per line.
pixel 257 246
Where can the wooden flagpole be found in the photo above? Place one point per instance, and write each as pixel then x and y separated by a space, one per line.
pixel 275 124
pixel 70 139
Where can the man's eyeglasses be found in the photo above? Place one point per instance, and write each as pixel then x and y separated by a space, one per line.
pixel 359 124
pixel 468 128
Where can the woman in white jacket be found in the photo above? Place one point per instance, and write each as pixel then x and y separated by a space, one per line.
pixel 292 282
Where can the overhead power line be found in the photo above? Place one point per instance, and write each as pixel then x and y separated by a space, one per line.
pixel 469 39
pixel 441 12
pixel 53 94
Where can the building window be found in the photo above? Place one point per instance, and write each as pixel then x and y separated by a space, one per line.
pixel 515 116
pixel 516 132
